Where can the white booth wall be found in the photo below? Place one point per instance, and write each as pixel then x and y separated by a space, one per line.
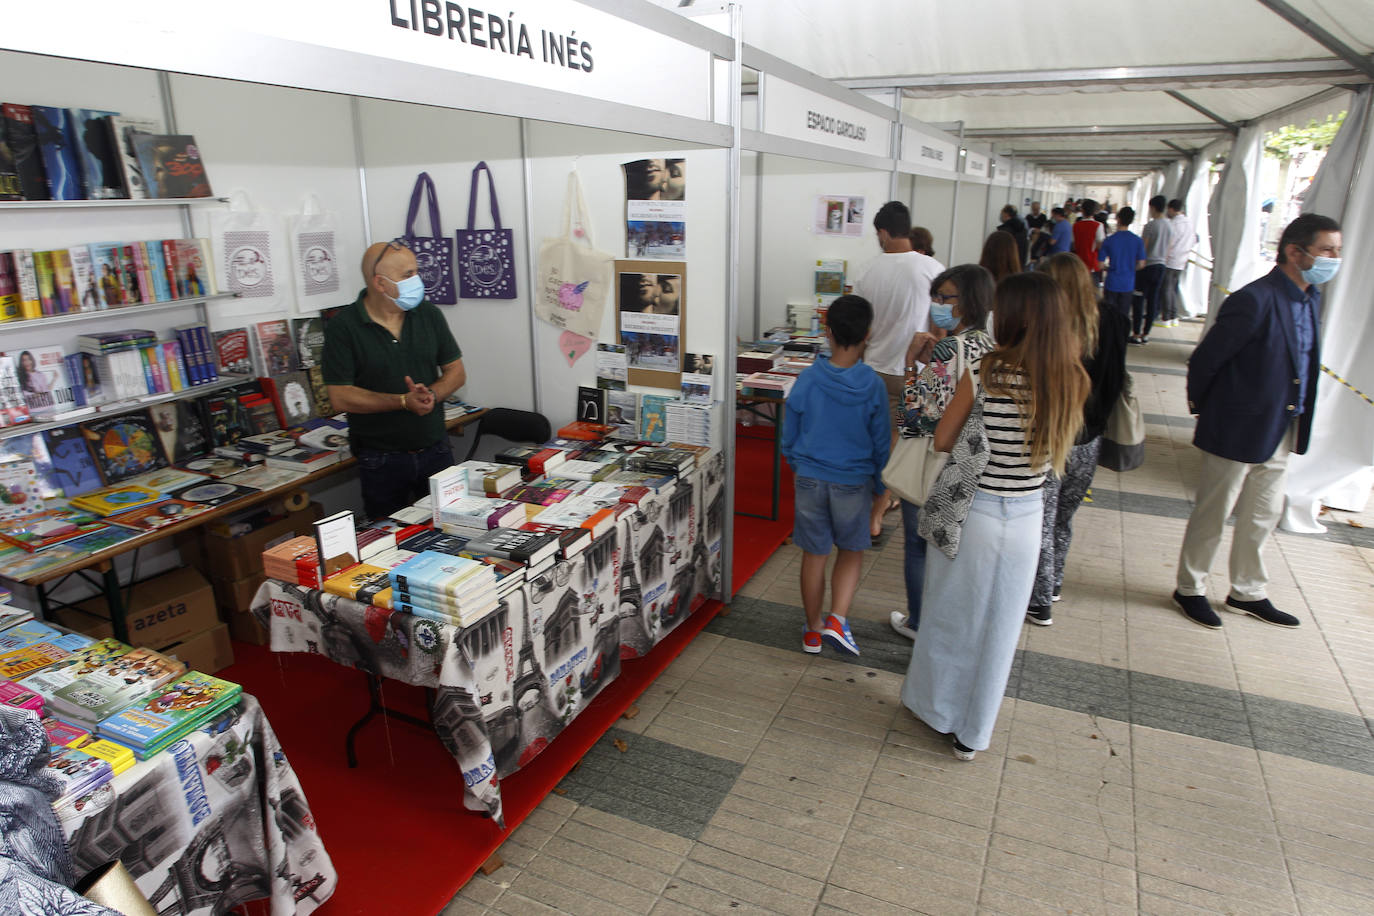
pixel 932 205
pixel 968 230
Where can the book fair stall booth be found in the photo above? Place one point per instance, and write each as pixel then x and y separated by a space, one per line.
pixel 322 118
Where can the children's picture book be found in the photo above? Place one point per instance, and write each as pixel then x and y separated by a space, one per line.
pixel 159 514
pixel 336 541
pixel 275 352
pixel 22 140
pixel 19 492
pixel 167 479
pixel 309 336
pixel 13 410
pixel 172 165
pixel 193 274
pixel 33 447
pixel 82 662
pixel 122 680
pixel 118 498
pixel 172 711
pixel 123 129
pixel 216 466
pixel 124 446
pixel 101 177
pixel 50 527
pixel 180 430
pixel 57 146
pixel 74 470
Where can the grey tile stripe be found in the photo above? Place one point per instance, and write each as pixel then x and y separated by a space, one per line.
pixel 1158 370
pixel 653 783
pixel 1160 419
pixel 1174 507
pixel 1283 727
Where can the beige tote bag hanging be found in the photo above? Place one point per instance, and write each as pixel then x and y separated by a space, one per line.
pixel 574 277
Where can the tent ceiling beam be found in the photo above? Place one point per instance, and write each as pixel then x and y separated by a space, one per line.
pixel 1202 110
pixel 1059 131
pixel 1300 104
pixel 1322 71
pixel 1362 62
pixel 1190 153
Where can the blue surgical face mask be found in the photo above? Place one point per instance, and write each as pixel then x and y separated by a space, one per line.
pixel 942 316
pixel 409 292
pixel 1322 270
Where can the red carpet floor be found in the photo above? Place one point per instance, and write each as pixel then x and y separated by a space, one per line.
pixel 395 827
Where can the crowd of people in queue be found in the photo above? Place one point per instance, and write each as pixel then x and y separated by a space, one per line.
pixel 1013 366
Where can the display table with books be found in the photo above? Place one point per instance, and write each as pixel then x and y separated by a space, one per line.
pixel 509 681
pixel 214 821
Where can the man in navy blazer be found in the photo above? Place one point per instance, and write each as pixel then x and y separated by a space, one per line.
pixel 1252 381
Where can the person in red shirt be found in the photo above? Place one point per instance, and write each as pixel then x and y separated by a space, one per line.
pixel 1087 238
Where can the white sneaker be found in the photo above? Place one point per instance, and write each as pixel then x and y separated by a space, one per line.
pixel 898 621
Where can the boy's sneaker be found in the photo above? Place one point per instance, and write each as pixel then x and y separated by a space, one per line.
pixel 837 633
pixel 811 642
pixel 898 620
pixel 1056 596
pixel 962 751
pixel 1040 615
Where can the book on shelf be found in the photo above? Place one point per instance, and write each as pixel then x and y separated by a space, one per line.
pixel 373 541
pixel 233 354
pixel 336 541
pixel 120 681
pixel 10 187
pixel 89 296
pixel 170 713
pixel 319 392
pixel 26 280
pixel 192 273
pixel 172 165
pixel 22 140
pixel 20 496
pixel 309 336
pixel 57 147
pixel 101 178
pixel 73 467
pixel 197 353
pixel 180 430
pixel 275 352
pixel 698 373
pixel 26 633
pixel 622 413
pixel 122 130
pixel 290 394
pixel 13 410
pixel 263 477
pixel 33 448
pixel 124 445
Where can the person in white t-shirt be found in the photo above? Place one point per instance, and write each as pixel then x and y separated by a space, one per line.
pixel 897 284
pixel 1182 238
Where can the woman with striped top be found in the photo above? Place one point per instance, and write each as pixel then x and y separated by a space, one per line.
pixel 1033 387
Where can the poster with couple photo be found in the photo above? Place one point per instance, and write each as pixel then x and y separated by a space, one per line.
pixel 651 303
pixel 656 208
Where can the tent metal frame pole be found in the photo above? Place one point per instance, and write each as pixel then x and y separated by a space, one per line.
pixel 732 255
pixel 1321 36
pixel 531 267
pixel 1201 109
pixel 954 207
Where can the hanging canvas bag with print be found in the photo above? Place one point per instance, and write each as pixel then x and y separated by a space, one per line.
pixel 434 252
pixel 248 238
pixel 486 257
pixel 574 278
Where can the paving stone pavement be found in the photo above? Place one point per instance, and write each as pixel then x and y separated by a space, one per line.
pixel 1140 763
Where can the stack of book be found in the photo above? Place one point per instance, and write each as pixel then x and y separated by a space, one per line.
pixel 545 491
pixel 532 460
pixel 109 501
pixel 361 582
pixel 119 757
pixel 63 673
pixel 303 458
pixel 62 734
pixel 579 512
pixel 50 527
pixel 294 560
pixel 442 587
pixel 100 692
pixel 690 423
pixel 767 384
pixel 530 547
pixel 472 515
pixel 433 539
pixel 673 461
pixel 78 772
pixel 760 359
pixel 171 713
pixel 19 697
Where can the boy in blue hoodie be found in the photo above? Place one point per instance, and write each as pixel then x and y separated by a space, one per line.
pixel 836 437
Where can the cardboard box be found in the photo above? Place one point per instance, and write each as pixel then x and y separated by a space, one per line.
pixel 160 611
pixel 244 627
pixel 240 557
pixel 235 596
pixel 208 651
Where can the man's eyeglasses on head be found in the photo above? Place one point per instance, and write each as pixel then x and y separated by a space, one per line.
pixel 397 244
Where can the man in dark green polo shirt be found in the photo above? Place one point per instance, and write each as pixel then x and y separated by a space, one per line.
pixel 390 360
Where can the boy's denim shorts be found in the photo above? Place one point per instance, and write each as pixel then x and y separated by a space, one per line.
pixel 832 514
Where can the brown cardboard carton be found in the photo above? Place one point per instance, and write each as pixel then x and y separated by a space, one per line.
pixel 235 596
pixel 208 651
pixel 244 627
pixel 240 557
pixel 160 611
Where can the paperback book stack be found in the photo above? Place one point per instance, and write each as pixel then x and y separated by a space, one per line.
pixel 171 713
pixel 63 673
pixel 767 384
pixel 532 460
pixel 443 587
pixel 119 757
pixel 125 679
pixel 362 582
pixel 579 512
pixel 20 697
pixel 594 464
pixel 515 554
pixel 668 461
pixel 78 772
pixel 473 515
pixel 294 560
pixel 691 423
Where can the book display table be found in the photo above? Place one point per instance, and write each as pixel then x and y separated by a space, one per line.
pixel 212 822
pixel 508 684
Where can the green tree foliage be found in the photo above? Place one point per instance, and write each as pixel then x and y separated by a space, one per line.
pixel 1316 135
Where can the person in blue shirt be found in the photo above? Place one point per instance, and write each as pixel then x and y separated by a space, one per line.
pixel 1252 382
pixel 836 437
pixel 1061 234
pixel 1124 253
